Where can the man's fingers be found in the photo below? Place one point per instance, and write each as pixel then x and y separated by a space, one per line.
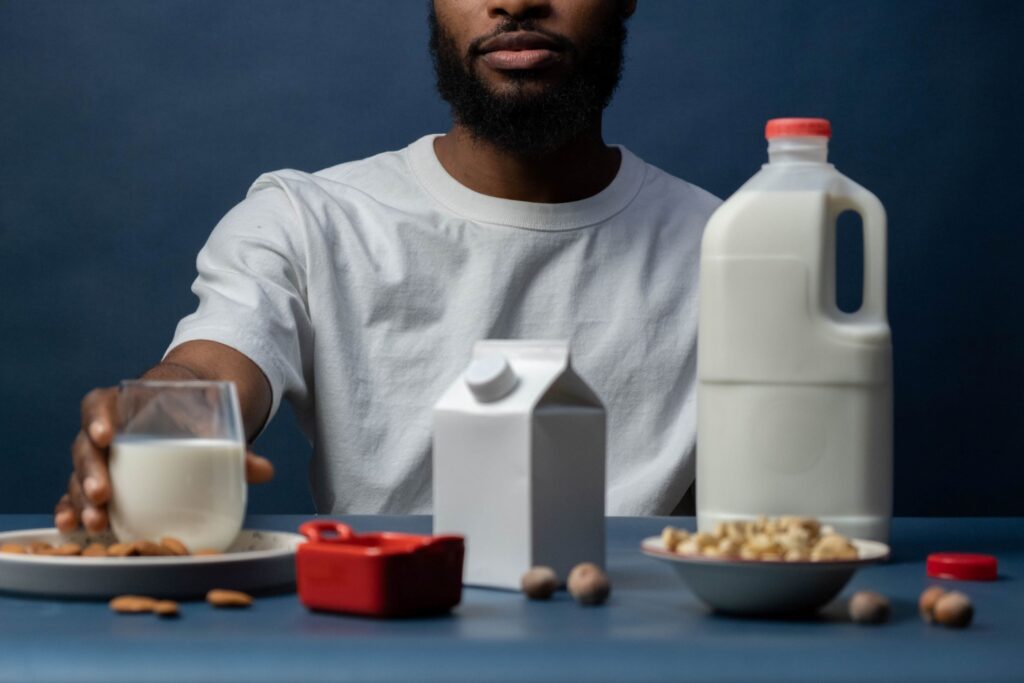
pixel 64 516
pixel 91 468
pixel 93 518
pixel 89 486
pixel 258 470
pixel 78 501
pixel 99 409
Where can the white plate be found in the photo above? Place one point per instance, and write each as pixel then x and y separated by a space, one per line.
pixel 758 587
pixel 256 561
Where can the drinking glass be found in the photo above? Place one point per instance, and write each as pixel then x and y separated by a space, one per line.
pixel 177 463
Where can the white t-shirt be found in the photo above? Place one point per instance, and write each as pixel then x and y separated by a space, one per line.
pixel 360 290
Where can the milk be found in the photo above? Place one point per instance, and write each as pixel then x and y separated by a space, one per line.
pixel 190 488
pixel 794 395
pixel 519 463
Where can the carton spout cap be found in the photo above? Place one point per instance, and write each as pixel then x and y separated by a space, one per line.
pixel 490 377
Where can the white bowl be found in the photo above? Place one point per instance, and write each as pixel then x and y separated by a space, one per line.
pixel 766 588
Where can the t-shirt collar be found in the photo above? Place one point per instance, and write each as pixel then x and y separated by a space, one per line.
pixel 484 208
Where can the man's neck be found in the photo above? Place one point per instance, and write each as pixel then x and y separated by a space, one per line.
pixel 578 170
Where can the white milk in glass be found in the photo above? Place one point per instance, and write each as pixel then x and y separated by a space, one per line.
pixel 189 488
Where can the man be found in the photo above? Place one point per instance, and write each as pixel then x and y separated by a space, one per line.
pixel 357 292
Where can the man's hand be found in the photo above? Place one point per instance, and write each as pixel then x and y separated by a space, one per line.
pixel 89 488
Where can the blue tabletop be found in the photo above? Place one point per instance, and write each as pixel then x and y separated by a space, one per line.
pixel 652 629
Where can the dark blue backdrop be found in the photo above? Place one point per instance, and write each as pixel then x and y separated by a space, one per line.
pixel 128 128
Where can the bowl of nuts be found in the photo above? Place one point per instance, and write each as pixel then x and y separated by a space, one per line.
pixel 765 567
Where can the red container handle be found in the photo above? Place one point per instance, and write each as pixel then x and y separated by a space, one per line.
pixel 441 543
pixel 318 530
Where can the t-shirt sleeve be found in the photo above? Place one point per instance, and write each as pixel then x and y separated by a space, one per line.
pixel 252 292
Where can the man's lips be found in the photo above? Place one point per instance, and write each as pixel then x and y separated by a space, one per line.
pixel 520 59
pixel 520 50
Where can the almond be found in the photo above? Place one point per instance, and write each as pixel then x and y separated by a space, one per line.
pixel 149 549
pixel 132 604
pixel 166 608
pixel 68 550
pixel 220 597
pixel 121 550
pixel 174 545
pixel 95 550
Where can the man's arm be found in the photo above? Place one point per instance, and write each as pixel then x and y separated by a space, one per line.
pixel 89 487
pixel 211 360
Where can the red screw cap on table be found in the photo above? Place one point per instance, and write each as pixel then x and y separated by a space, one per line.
pixel 962 566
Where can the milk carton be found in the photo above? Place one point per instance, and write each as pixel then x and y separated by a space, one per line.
pixel 519 463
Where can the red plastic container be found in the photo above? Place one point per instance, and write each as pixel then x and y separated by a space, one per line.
pixel 382 574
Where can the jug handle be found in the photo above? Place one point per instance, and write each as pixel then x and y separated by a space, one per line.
pixel 873 220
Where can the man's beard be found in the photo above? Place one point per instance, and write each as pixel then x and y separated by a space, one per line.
pixel 523 122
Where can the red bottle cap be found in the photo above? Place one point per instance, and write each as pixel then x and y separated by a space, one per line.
pixel 780 127
pixel 962 566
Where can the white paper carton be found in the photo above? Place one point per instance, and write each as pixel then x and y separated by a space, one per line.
pixel 519 463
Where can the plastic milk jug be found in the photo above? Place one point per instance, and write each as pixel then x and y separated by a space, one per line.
pixel 794 395
pixel 519 463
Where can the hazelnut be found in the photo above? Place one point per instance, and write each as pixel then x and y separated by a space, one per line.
pixel 764 543
pixel 588 584
pixel 704 540
pixel 539 583
pixel 728 548
pixel 869 607
pixel 926 603
pixel 953 609
pixel 688 547
pixel 748 553
pixel 833 547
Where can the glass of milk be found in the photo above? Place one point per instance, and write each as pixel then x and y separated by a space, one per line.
pixel 177 463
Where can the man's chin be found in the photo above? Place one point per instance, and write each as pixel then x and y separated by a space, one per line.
pixel 520 87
